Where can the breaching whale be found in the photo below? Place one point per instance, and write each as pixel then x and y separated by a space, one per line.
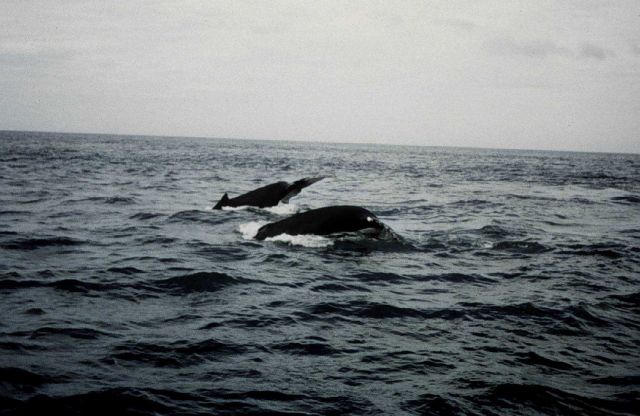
pixel 267 196
pixel 324 221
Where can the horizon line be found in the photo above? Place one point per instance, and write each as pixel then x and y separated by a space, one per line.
pixel 319 142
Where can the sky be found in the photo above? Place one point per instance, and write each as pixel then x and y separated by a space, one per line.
pixel 558 75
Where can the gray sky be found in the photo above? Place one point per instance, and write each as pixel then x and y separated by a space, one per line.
pixel 561 74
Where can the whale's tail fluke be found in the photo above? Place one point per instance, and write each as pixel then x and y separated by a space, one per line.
pixel 295 188
pixel 222 201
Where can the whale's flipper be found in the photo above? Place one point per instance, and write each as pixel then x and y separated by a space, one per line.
pixel 295 188
pixel 223 200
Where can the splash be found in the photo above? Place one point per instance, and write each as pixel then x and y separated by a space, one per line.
pixel 250 229
pixel 305 240
pixel 280 209
pixel 283 209
pixel 240 208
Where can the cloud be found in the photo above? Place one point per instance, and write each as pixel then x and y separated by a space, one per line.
pixel 29 59
pixel 533 48
pixel 457 73
pixel 463 24
pixel 504 46
pixel 590 51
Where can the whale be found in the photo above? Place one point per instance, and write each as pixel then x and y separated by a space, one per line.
pixel 325 221
pixel 269 195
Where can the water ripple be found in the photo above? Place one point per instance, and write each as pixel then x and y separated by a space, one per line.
pixel 510 288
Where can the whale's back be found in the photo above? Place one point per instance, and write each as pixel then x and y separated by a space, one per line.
pixel 321 221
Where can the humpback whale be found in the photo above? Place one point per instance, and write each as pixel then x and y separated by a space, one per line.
pixel 324 221
pixel 267 196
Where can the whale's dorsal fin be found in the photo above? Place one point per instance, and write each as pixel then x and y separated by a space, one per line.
pixel 222 201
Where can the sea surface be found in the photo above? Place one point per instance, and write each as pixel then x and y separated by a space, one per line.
pixel 514 290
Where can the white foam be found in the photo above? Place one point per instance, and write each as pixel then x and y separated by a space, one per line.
pixel 240 208
pixel 306 240
pixel 250 229
pixel 283 209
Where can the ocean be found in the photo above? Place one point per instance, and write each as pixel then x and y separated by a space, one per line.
pixel 514 289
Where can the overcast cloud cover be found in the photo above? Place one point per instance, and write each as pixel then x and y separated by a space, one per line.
pixel 562 74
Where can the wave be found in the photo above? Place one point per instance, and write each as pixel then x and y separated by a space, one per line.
pixel 201 282
pixel 495 231
pixel 23 347
pixel 339 287
pixel 104 402
pixel 466 203
pixel 306 348
pixel 627 199
pixel 32 201
pixel 73 285
pixel 536 360
pixel 24 379
pixel 196 216
pixel 630 380
pixel 156 239
pixel 36 243
pixel 433 404
pixel 145 216
pixel 550 400
pixel 110 200
pixel 125 270
pixel 148 401
pixel 176 354
pixel 365 309
pixel 71 332
pixel 182 284
pixel 133 291
pixel 69 285
pixel 455 278
pixel 571 321
pixel 630 300
pixel 35 311
pixel 521 247
pixel 379 277
pixel 609 250
pixel 14 212
pixel 119 200
pixel 254 321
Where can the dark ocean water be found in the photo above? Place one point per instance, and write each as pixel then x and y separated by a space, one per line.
pixel 516 289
